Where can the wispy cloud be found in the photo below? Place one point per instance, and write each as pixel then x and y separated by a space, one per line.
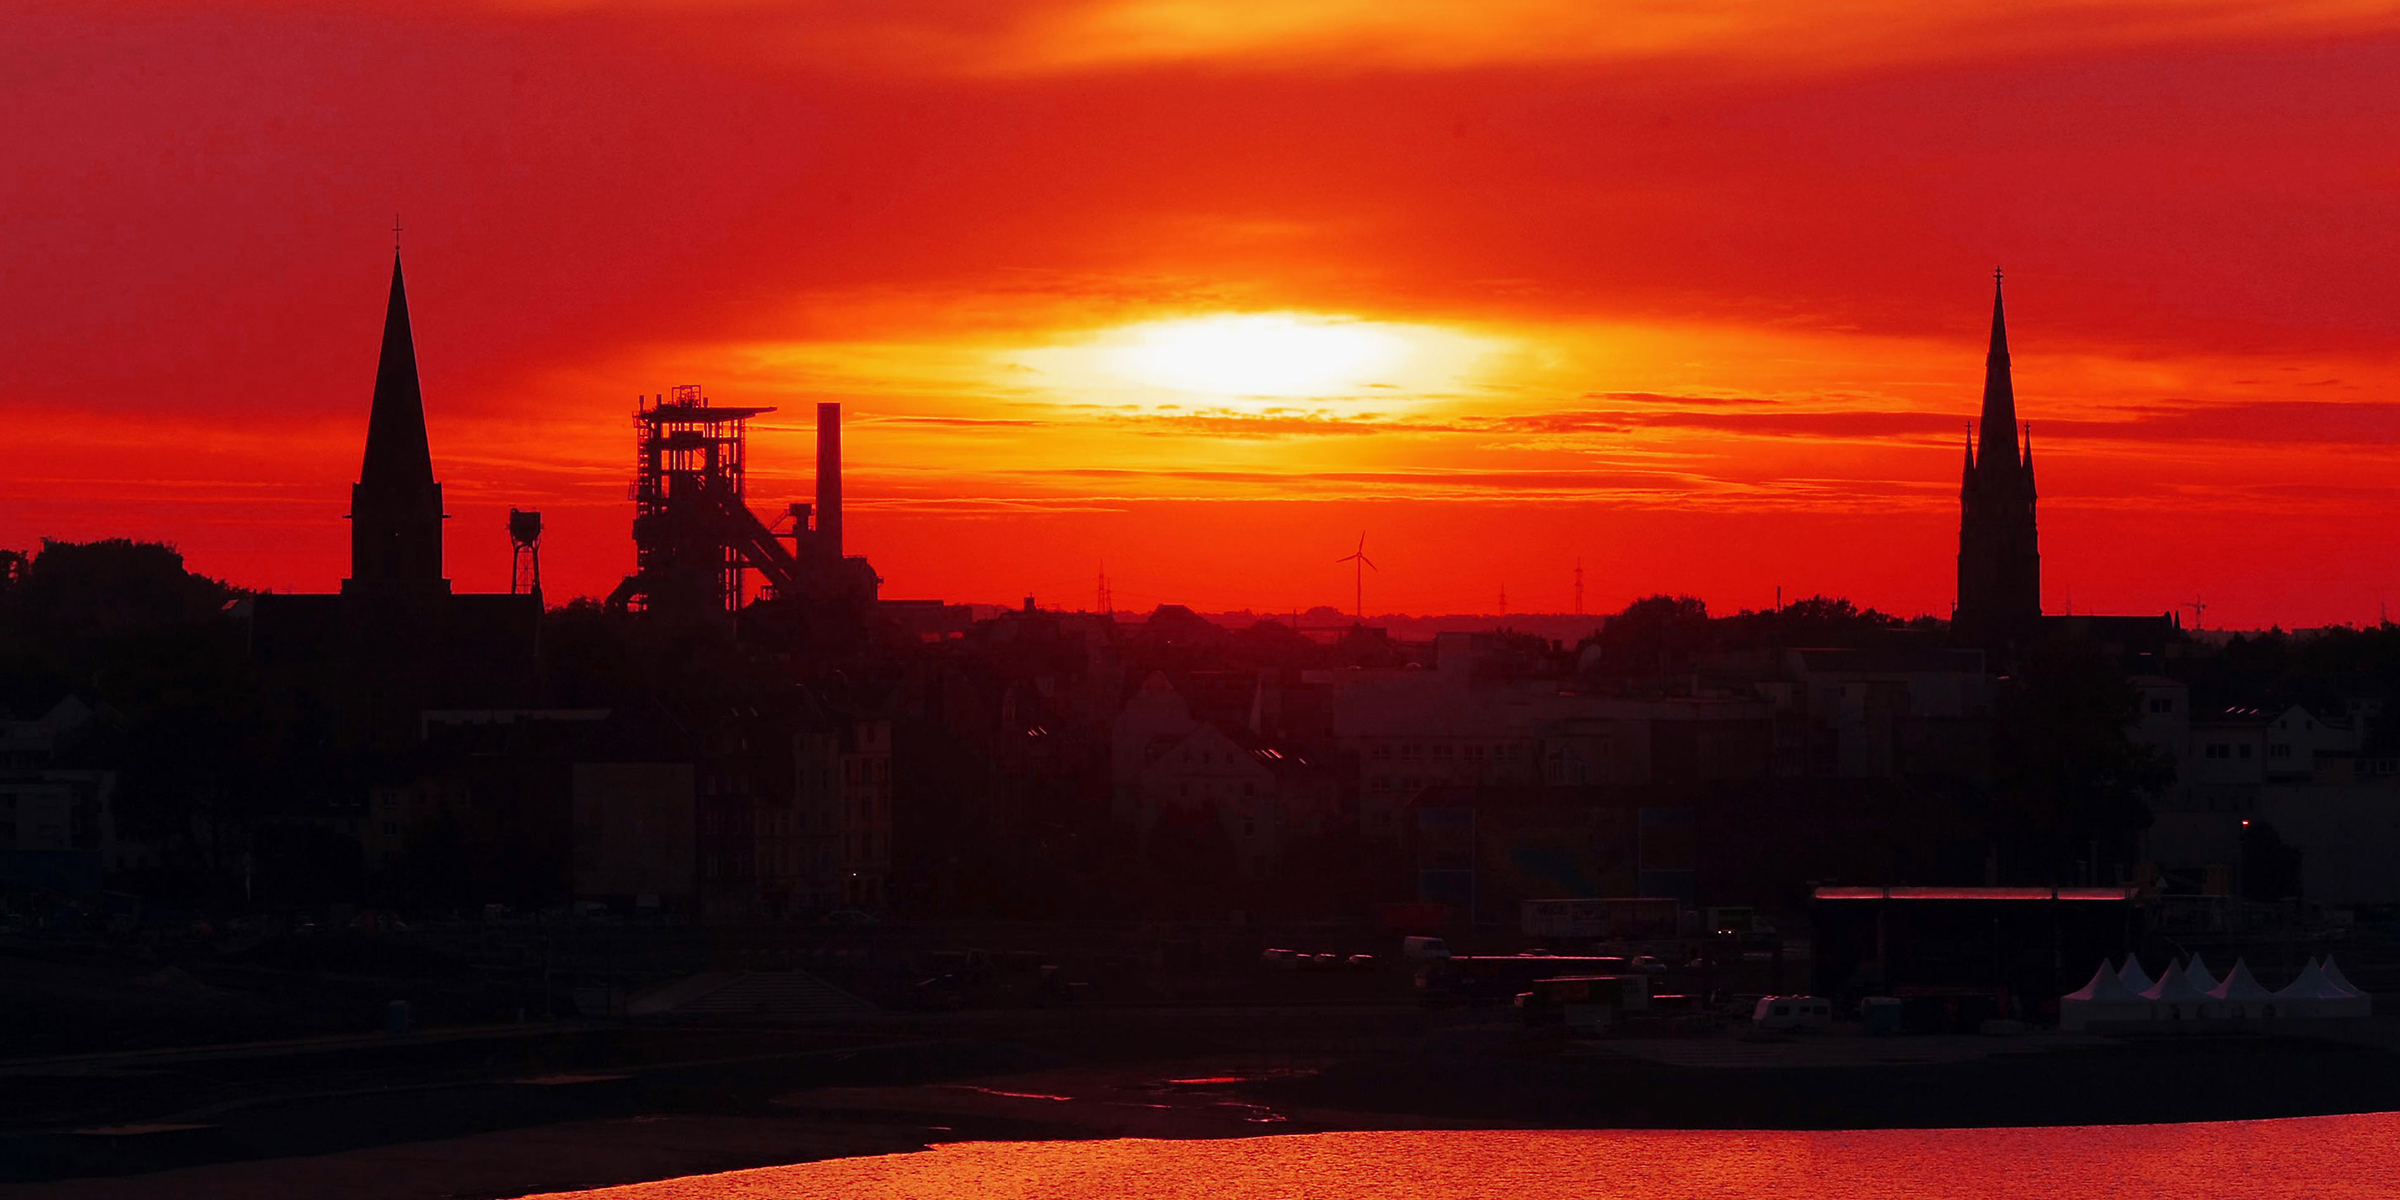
pixel 1031 37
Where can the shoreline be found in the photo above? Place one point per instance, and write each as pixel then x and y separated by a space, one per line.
pixel 629 1106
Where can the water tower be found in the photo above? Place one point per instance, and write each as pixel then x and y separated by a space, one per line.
pixel 525 561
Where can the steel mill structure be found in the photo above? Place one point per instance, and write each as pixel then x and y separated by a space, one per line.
pixel 695 538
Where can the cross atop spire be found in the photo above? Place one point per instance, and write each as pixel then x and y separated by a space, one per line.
pixel 395 232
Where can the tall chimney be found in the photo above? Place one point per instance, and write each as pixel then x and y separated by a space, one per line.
pixel 829 481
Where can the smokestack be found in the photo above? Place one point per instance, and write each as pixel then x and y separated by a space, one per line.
pixel 829 480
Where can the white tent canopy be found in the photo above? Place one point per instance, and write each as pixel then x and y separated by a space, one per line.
pixel 2175 991
pixel 2340 980
pixel 2310 994
pixel 2241 994
pixel 2186 995
pixel 2321 992
pixel 2105 998
pixel 2105 988
pixel 2134 978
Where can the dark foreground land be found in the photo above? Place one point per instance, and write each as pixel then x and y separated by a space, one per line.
pixel 508 1110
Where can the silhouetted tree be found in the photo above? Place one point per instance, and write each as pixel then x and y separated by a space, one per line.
pixel 2270 866
pixel 2071 785
pixel 1655 635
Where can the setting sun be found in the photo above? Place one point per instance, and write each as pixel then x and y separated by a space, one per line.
pixel 1263 354
pixel 1232 362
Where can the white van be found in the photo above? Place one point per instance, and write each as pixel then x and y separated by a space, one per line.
pixel 1424 949
pixel 1792 1012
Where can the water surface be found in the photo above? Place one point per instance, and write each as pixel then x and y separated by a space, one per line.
pixel 2325 1158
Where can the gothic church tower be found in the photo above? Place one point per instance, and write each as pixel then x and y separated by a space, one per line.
pixel 1999 552
pixel 396 507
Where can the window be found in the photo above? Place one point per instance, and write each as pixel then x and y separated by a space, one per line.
pixel 1441 750
pixel 391 829
pixel 1249 828
pixel 1383 751
pixel 2245 749
pixel 2283 750
pixel 2162 704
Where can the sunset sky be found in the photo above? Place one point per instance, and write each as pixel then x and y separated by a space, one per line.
pixel 1694 293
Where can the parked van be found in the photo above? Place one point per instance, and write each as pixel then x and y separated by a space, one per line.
pixel 1792 1012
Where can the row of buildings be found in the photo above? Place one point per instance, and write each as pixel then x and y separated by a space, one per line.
pixel 2326 783
pixel 920 754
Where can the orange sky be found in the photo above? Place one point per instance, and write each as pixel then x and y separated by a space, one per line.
pixel 1692 293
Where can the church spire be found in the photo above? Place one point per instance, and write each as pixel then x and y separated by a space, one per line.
pixel 396 507
pixel 1999 543
pixel 397 450
pixel 1999 393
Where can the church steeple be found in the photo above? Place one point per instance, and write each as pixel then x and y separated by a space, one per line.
pixel 397 449
pixel 1999 548
pixel 396 507
pixel 1999 392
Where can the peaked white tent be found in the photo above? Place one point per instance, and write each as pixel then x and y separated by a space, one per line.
pixel 2134 978
pixel 2196 973
pixel 2334 974
pixel 2105 998
pixel 2310 994
pixel 2241 995
pixel 2173 998
pixel 2336 996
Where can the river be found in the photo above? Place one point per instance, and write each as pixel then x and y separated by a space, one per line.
pixel 2321 1158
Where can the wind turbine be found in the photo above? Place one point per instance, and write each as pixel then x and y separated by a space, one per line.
pixel 1360 565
